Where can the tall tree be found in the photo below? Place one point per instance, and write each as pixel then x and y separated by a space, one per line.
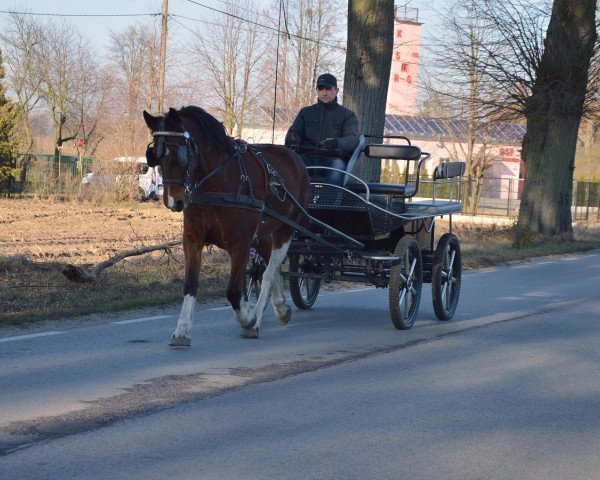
pixel 9 142
pixel 536 63
pixel 553 113
pixel 230 51
pixel 367 72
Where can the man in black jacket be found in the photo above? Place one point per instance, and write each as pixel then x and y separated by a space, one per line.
pixel 326 133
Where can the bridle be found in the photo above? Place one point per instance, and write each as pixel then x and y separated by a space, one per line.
pixel 192 191
pixel 184 150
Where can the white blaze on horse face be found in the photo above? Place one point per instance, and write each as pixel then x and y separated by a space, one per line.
pixel 170 199
pixel 184 325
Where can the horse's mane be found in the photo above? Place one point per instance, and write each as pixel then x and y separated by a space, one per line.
pixel 214 130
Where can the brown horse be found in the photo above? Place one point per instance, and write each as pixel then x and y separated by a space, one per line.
pixel 234 196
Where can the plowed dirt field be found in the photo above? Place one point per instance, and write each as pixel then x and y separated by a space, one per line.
pixel 81 233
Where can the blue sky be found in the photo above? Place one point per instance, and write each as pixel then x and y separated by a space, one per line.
pixel 98 28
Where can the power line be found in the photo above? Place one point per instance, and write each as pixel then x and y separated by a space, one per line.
pixel 262 25
pixel 172 15
pixel 82 14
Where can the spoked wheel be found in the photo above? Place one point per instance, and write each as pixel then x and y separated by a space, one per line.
pixel 406 281
pixel 304 290
pixel 445 276
pixel 253 278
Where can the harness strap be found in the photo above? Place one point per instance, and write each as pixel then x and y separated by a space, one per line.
pixel 216 170
pixel 230 200
pixel 218 199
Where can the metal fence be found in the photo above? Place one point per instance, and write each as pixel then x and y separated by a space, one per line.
pixel 58 169
pixel 586 201
pixel 502 196
pixel 497 196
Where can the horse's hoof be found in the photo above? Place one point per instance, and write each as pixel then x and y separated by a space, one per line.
pixel 285 318
pixel 250 332
pixel 180 341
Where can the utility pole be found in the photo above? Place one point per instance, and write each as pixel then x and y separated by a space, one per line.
pixel 162 60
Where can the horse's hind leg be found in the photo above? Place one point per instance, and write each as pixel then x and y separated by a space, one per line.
pixel 271 278
pixel 283 312
pixel 182 336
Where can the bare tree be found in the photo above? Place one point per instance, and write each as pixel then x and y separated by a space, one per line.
pixel 541 65
pixel 553 111
pixel 21 38
pixel 229 51
pixel 538 64
pixel 368 64
pixel 308 47
pixel 134 53
pixel 460 88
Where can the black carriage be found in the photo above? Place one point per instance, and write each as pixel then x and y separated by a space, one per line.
pixel 379 234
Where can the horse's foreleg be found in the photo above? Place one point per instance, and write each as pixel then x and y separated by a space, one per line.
pixel 183 333
pixel 243 314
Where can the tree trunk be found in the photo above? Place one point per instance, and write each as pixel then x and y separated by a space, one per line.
pixel 367 72
pixel 553 115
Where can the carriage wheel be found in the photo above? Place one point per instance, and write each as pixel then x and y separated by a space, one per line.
pixel 253 278
pixel 304 290
pixel 406 280
pixel 445 276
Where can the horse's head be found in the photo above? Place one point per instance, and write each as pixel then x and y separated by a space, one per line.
pixel 171 149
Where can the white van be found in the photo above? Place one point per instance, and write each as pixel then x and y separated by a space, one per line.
pixel 149 178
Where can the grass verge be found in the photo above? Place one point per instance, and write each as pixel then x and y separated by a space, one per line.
pixel 31 292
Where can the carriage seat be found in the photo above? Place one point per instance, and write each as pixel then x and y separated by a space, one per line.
pixel 392 152
pixel 449 170
pixel 384 189
pixel 446 170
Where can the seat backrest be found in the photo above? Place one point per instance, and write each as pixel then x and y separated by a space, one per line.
pixel 352 161
pixel 449 170
pixel 393 152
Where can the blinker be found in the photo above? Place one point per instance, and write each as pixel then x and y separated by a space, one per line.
pixel 151 159
pixel 156 150
pixel 182 155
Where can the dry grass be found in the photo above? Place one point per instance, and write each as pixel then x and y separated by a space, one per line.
pixel 35 236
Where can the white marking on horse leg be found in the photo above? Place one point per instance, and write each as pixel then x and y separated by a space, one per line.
pixel 283 312
pixel 245 315
pixel 270 277
pixel 184 325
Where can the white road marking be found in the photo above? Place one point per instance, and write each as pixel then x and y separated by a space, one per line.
pixel 31 335
pixel 143 319
pixel 148 319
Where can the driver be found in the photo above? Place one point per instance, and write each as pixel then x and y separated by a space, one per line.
pixel 326 133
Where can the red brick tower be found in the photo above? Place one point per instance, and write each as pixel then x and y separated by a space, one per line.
pixel 402 92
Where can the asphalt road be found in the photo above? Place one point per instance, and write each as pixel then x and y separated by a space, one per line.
pixel 509 389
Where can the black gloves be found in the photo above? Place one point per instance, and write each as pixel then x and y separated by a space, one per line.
pixel 330 144
pixel 292 140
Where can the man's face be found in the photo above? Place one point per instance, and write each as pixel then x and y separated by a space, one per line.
pixel 325 94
